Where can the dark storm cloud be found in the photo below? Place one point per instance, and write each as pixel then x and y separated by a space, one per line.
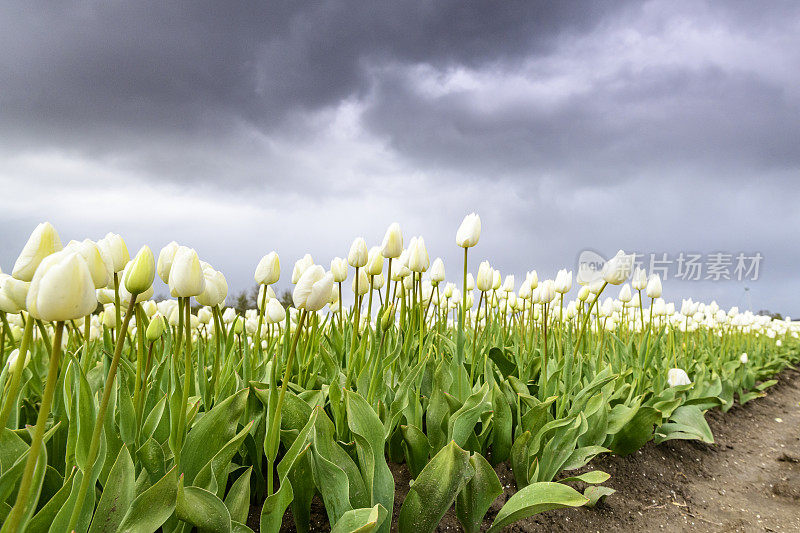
pixel 653 126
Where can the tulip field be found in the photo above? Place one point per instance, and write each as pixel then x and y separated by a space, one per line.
pixel 120 413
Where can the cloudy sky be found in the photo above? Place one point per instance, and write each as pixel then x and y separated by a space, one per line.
pixel 238 128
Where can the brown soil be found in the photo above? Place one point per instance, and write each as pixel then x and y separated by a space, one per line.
pixel 748 480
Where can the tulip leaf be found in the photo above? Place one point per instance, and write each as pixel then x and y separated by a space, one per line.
pixel 118 494
pixel 238 498
pixel 202 509
pixel 534 499
pixel 477 496
pixel 152 507
pixel 435 489
pixel 364 520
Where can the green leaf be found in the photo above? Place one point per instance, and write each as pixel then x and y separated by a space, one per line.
pixel 238 498
pixel 463 421
pixel 504 364
pixel 370 443
pixel 42 520
pixel 202 509
pixel 502 426
pixel 537 498
pixel 477 496
pixel 152 507
pixel 687 423
pixel 118 494
pixel 596 494
pixel 361 520
pixel 417 449
pixel 636 432
pixel 211 433
pixel 435 490
pixel 594 477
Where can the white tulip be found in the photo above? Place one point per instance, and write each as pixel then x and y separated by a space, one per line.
pixel 618 268
pixel 392 245
pixel 374 261
pixel 625 293
pixel 300 266
pixel 485 276
pixel 116 249
pixel 639 279
pixel 186 275
pixel 654 286
pixel 418 259
pixel 563 283
pixel 339 269
pixel 275 313
pixel 359 253
pixel 43 241
pixel 469 232
pixel 61 289
pixel 677 377
pixel 165 258
pixel 313 289
pixel 268 270
pixel 437 271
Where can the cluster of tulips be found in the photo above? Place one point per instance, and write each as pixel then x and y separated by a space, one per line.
pixel 120 413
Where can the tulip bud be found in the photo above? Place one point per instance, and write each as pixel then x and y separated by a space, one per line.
pixel 216 288
pixel 313 289
pixel 165 258
pixel 485 276
pixel 363 283
pixel 116 250
pixel 743 358
pixel 339 269
pixel 102 273
pixel 437 271
pixel 677 377
pixel 377 282
pixel 186 275
pixel 12 360
pixel 204 315
pixel 625 293
pixel 229 315
pixel 387 319
pixel 583 294
pixel 374 261
pixel 654 286
pixel 43 241
pixel 61 289
pixel 392 242
pixel 275 313
pixel 7 303
pixel 140 274
pixel 471 281
pixel 300 266
pixel 618 268
pixel 563 283
pixel 155 329
pixel 268 270
pixel 508 283
pixel 238 325
pixel 418 259
pixel 469 231
pixel 547 291
pixel 358 253
pixel 639 279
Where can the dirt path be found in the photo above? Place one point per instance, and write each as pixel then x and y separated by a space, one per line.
pixel 749 480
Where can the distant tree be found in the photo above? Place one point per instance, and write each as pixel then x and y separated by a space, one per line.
pixel 285 298
pixel 767 312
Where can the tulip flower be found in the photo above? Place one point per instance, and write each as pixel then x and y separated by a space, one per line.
pixel 625 294
pixel 677 377
pixel 275 313
pixel 313 289
pixel 563 282
pixel 300 266
pixel 639 279
pixel 268 270
pixel 101 271
pixel 339 269
pixel 743 358
pixel 186 276
pixel 618 268
pixel 165 258
pixel 485 276
pixel 418 259
pixel 392 245
pixel 359 253
pixel 155 328
pixel 437 271
pixel 43 241
pixel 61 289
pixel 374 264
pixel 469 231
pixel 115 247
pixel 654 286
pixel 216 288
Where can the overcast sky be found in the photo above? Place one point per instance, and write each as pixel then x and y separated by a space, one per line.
pixel 239 128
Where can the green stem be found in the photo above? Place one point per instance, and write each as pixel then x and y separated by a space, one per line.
pixel 16 377
pixel 17 514
pixel 94 446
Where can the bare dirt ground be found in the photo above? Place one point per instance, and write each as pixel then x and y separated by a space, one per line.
pixel 748 480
